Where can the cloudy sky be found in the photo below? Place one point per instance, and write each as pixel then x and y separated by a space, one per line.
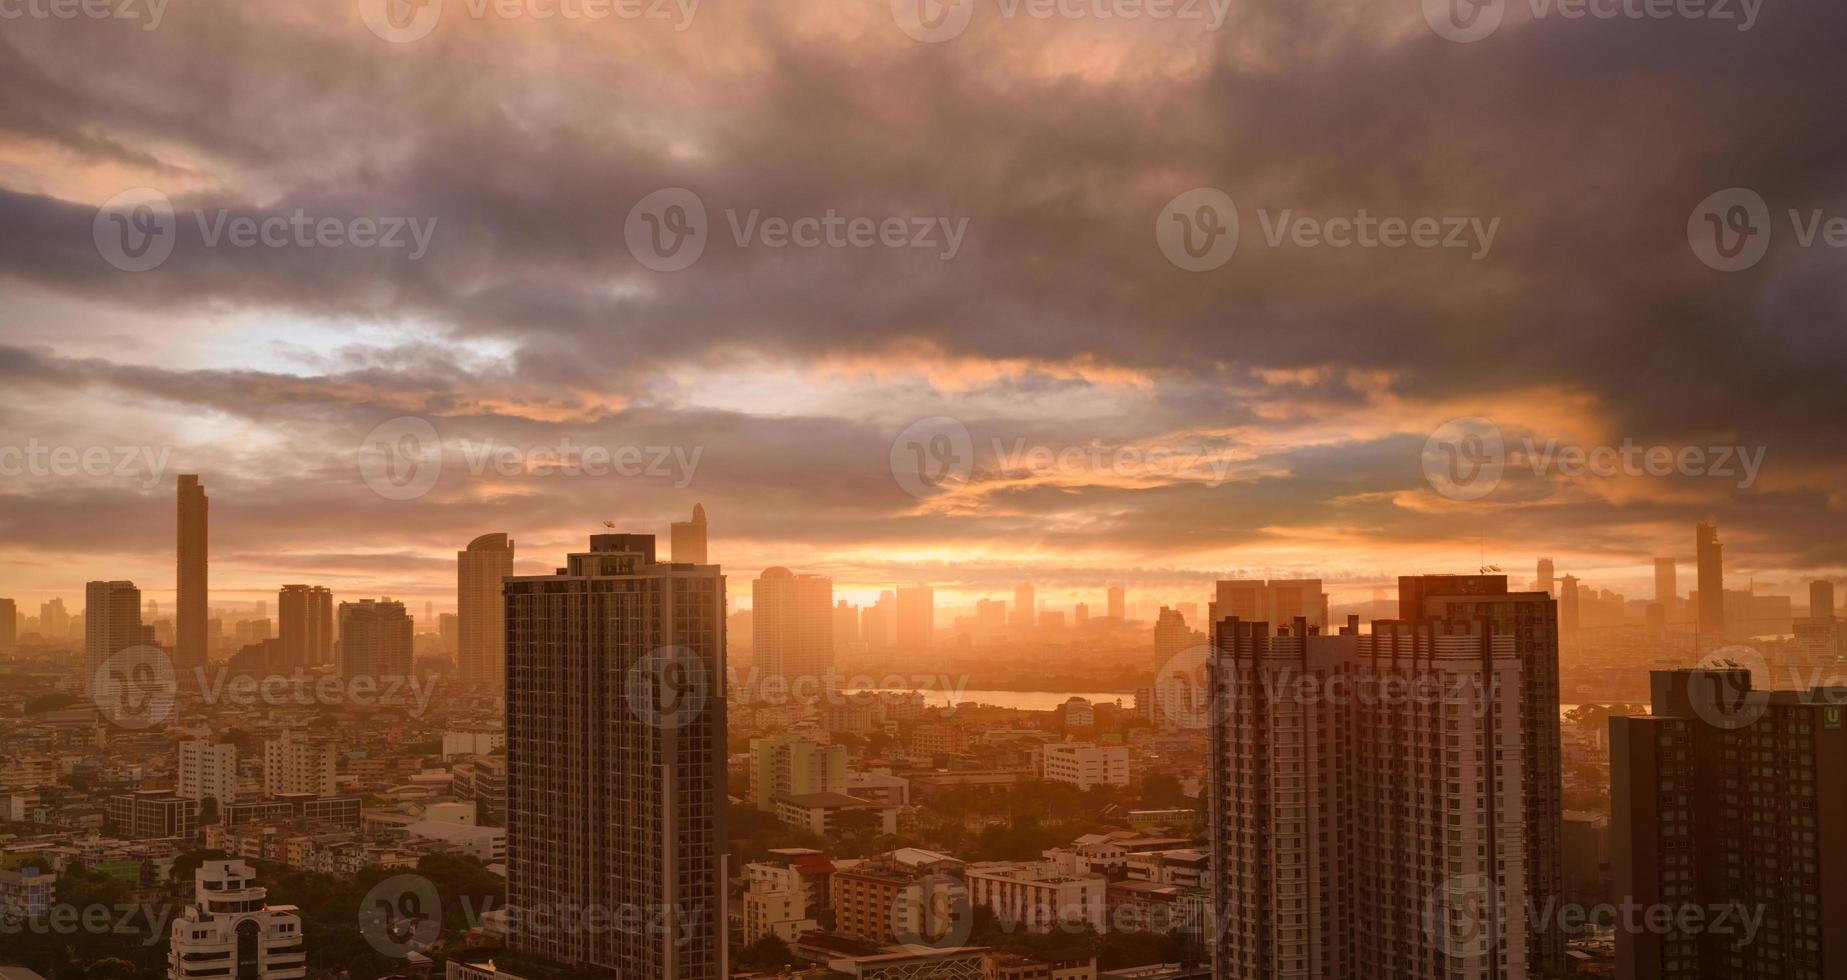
pixel 532 227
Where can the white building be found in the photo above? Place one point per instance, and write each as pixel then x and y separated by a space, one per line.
pixel 1085 765
pixel 231 931
pixel 208 770
pixel 292 764
pixel 1039 896
pixel 473 743
pixel 775 902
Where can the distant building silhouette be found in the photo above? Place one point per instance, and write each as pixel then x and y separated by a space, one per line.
pixel 792 628
pixel 688 538
pixel 193 604
pixel 1710 556
pixel 375 639
pixel 481 571
pixel 111 623
pixel 307 628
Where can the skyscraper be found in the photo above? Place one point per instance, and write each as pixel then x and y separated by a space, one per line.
pixel 54 623
pixel 481 656
pixel 792 628
pixel 1710 555
pixel 375 639
pixel 1667 583
pixel 9 625
pixel 189 647
pixel 111 624
pixel 916 617
pixel 1570 606
pixel 1545 575
pixel 1732 801
pixel 1023 609
pixel 616 758
pixel 1348 833
pixel 688 538
pixel 1821 599
pixel 1532 620
pixel 306 628
pixel 1118 604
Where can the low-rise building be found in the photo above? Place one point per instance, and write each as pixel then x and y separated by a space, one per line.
pixel 1039 896
pixel 1085 765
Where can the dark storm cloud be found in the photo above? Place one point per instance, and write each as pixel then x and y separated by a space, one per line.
pixel 1590 142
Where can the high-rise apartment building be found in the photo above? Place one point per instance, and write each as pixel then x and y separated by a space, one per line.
pixel 193 605
pixel 1274 601
pixel 789 765
pixel 54 622
pixel 1821 600
pixel 111 624
pixel 1024 614
pixel 1531 619
pixel 616 758
pixel 208 770
pixel 916 617
pixel 231 931
pixel 1667 582
pixel 688 538
pixel 294 763
pixel 1118 604
pixel 846 625
pixel 481 571
pixel 1710 555
pixel 792 629
pixel 9 625
pixel 1352 835
pixel 307 626
pixel 1546 576
pixel 1732 802
pixel 375 639
pixel 1570 606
